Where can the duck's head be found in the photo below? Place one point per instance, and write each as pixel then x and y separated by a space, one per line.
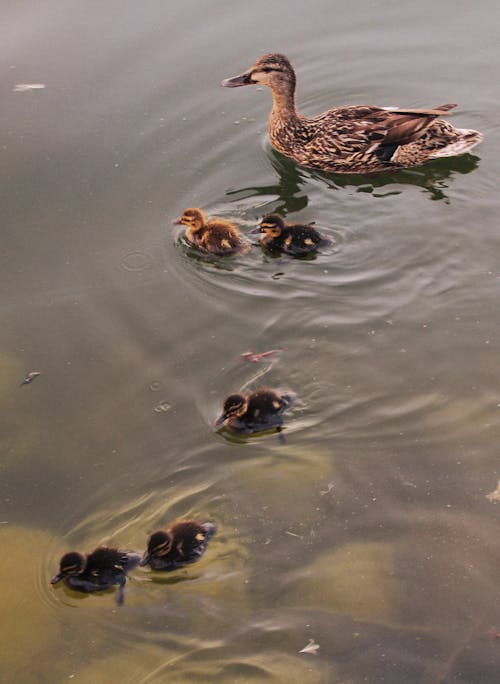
pixel 274 71
pixel 71 564
pixel 234 407
pixel 194 219
pixel 159 544
pixel 272 225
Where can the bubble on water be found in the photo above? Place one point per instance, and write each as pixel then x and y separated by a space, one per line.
pixel 162 407
pixel 137 261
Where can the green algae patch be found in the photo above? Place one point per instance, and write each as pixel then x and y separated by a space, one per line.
pixel 152 665
pixel 131 666
pixel 357 580
pixel 28 625
pixel 265 667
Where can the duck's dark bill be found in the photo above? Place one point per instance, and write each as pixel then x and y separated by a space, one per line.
pixel 236 81
pixel 220 420
pixel 57 578
pixel 145 559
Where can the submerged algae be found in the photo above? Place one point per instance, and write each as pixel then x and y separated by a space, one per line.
pixel 28 626
pixel 207 663
pixel 357 579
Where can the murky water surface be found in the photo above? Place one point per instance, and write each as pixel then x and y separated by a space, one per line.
pixel 368 531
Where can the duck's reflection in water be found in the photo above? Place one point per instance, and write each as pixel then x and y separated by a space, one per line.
pixel 289 195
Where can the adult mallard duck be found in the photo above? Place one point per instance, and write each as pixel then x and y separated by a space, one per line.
pixel 296 239
pixel 185 541
pixel 357 138
pixel 215 236
pixel 102 569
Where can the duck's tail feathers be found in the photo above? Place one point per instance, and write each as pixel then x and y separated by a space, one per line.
pixel 434 111
pixel 444 108
pixel 464 143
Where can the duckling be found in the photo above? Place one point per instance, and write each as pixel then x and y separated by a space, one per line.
pixel 291 238
pixel 182 543
pixel 96 571
pixel 356 138
pixel 255 412
pixel 215 236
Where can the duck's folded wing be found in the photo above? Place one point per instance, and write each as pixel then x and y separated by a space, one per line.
pixel 352 129
pixel 402 126
pixel 219 240
pixel 105 559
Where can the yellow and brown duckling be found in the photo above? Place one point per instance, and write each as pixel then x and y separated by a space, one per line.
pixel 254 412
pixel 101 569
pixel 357 138
pixel 296 239
pixel 214 236
pixel 183 542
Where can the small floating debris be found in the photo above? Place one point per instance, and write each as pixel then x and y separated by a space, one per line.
pixel 292 534
pixel 312 648
pixel 495 495
pixel 328 490
pixel 255 358
pixel 27 87
pixel 30 377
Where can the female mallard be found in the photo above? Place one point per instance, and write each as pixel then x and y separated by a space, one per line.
pixel 296 239
pixel 353 139
pixel 96 571
pixel 255 412
pixel 183 542
pixel 216 236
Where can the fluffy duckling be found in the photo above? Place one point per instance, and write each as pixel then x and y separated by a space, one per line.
pixel 215 236
pixel 182 543
pixel 255 412
pixel 296 239
pixel 96 571
pixel 357 138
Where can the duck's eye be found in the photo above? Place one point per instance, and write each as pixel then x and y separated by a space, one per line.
pixel 266 70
